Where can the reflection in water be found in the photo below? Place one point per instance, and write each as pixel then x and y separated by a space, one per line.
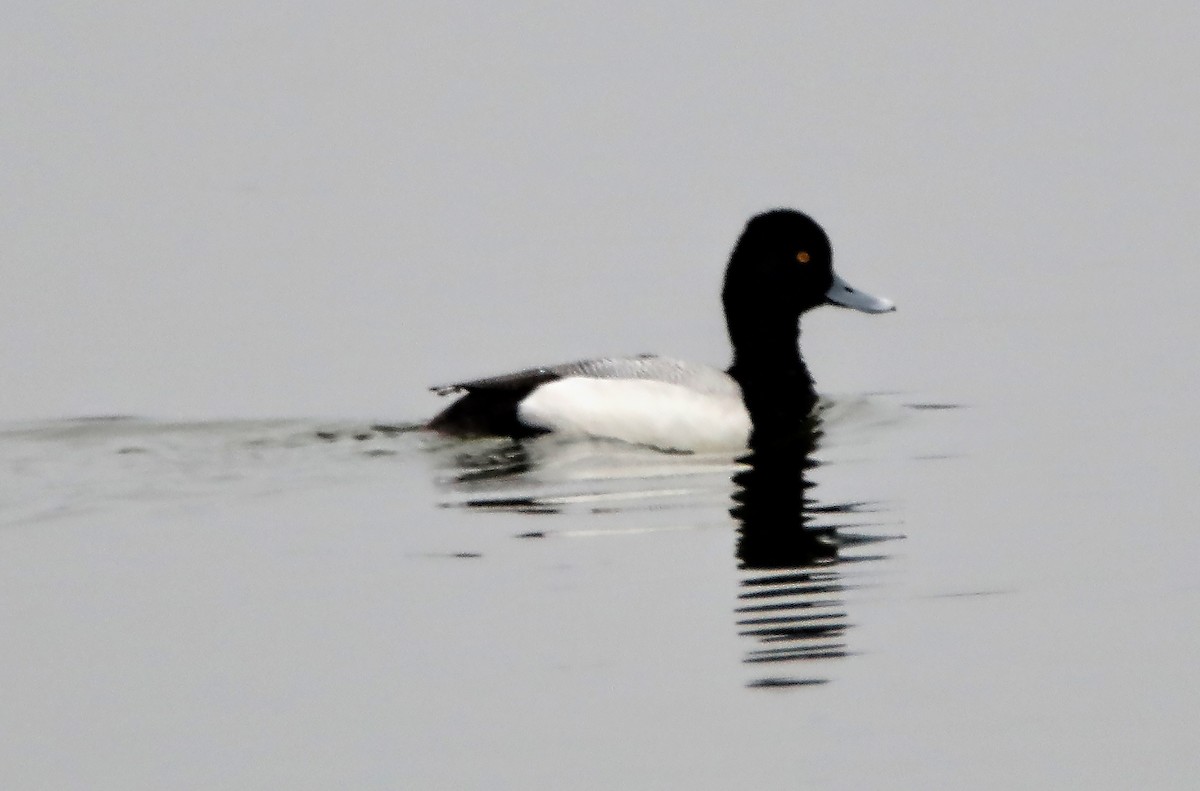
pixel 549 475
pixel 509 459
pixel 790 548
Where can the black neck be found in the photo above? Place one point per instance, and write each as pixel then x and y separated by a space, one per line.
pixel 776 385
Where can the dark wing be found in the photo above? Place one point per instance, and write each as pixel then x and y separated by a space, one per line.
pixel 523 381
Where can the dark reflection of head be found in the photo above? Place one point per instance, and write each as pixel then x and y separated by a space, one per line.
pixel 790 589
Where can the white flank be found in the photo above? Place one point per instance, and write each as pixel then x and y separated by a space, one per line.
pixel 641 411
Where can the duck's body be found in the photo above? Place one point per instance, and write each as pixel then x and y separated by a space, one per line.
pixel 781 267
pixel 645 400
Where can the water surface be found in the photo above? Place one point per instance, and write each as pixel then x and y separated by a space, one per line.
pixel 316 601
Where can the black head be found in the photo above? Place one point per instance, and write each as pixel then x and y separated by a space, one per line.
pixel 782 266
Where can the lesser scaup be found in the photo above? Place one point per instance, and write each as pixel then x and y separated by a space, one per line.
pixel 781 266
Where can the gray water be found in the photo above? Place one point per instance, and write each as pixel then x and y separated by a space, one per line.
pixel 227 222
pixel 303 604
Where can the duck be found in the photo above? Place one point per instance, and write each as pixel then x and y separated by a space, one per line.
pixel 780 268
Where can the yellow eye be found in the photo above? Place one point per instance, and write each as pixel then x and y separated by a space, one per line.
pixel 802 256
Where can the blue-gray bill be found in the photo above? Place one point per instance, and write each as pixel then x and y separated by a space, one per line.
pixel 841 293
